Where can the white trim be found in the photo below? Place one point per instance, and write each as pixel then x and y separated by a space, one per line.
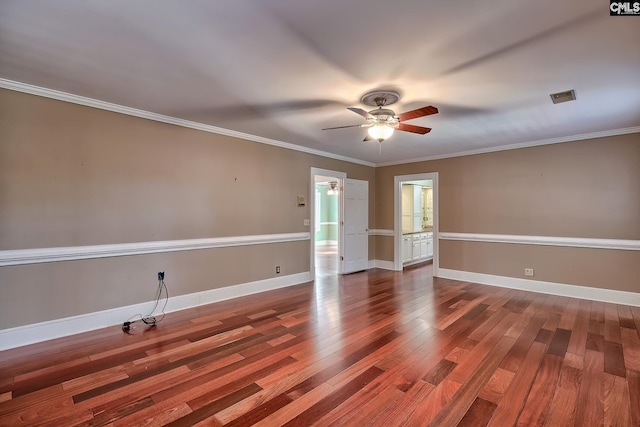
pixel 41 255
pixel 573 291
pixel 418 261
pixel 381 232
pixel 37 332
pixel 383 264
pixel 570 138
pixel 574 242
pixel 108 106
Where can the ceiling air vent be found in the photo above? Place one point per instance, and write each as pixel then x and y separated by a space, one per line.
pixel 569 95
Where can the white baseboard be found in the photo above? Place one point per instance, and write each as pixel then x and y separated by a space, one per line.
pixel 574 291
pixel 418 261
pixel 37 332
pixel 385 265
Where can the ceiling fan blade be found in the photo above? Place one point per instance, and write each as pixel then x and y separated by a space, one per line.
pixel 414 129
pixel 367 137
pixel 361 112
pixel 420 112
pixel 344 127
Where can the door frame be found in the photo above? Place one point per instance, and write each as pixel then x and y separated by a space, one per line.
pixel 340 177
pixel 397 228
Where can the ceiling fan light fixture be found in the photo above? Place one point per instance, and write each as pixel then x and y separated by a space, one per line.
pixel 333 188
pixel 380 131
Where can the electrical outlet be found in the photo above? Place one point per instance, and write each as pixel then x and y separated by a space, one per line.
pixel 160 275
pixel 277 269
pixel 528 271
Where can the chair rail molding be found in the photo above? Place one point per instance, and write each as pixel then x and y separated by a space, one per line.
pixel 380 232
pixel 70 253
pixel 575 242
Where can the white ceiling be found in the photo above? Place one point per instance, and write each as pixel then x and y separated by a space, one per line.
pixel 285 69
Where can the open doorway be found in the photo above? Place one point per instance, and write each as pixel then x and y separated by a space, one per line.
pixel 416 220
pixel 326 216
pixel 326 225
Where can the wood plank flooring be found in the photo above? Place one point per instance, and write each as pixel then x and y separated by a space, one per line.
pixel 376 348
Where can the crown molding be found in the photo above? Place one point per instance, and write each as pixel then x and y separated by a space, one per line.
pixel 129 111
pixel 116 108
pixel 571 138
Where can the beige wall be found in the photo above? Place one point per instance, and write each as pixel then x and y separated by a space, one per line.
pixel 37 292
pixel 587 189
pixel 597 268
pixel 73 175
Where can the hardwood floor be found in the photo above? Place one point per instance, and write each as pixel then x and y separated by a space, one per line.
pixel 326 260
pixel 375 348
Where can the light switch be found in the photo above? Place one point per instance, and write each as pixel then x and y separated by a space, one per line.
pixel 307 222
pixel 300 200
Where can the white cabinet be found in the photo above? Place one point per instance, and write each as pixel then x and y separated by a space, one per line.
pixel 407 209
pixel 415 239
pixel 424 247
pixel 427 206
pixel 407 248
pixel 429 239
pixel 411 208
pixel 417 247
pixel 417 208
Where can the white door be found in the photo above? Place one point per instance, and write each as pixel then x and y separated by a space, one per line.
pixel 356 226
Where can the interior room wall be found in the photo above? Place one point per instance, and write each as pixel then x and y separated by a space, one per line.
pixel 584 189
pixel 72 175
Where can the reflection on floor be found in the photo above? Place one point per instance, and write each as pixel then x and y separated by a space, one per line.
pixel 373 348
pixel 326 259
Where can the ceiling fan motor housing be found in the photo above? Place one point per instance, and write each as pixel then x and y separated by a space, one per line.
pixel 384 115
pixel 383 121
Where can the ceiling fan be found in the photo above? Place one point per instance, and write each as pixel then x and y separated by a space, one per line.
pixel 383 121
